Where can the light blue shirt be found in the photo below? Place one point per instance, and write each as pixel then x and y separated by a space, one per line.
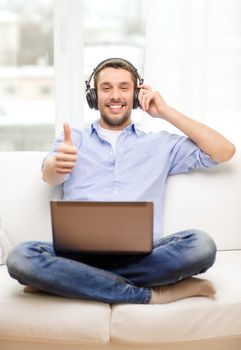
pixel 137 172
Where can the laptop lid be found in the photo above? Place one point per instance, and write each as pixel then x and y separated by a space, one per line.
pixel 102 227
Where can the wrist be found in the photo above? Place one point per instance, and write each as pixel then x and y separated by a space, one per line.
pixel 166 112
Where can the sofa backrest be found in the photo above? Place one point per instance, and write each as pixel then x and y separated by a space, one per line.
pixel 208 199
pixel 24 196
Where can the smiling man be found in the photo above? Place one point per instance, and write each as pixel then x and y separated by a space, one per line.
pixel 115 97
pixel 114 161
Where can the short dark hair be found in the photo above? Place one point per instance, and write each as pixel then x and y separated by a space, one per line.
pixel 116 63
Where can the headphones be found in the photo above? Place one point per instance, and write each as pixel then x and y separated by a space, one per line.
pixel 91 93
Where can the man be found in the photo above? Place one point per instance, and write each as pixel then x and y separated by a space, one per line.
pixel 113 160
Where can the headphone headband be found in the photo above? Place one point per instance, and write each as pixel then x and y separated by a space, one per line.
pixel 102 63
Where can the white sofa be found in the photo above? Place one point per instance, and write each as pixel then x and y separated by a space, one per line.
pixel 209 200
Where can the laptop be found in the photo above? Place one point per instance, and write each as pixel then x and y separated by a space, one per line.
pixel 102 227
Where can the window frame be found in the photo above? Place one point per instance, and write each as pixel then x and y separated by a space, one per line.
pixel 68 63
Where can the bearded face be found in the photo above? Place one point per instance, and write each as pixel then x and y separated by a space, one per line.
pixel 115 90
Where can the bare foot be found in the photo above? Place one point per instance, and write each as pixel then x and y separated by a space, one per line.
pixel 184 289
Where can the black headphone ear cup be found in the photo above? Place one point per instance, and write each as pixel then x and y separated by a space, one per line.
pixel 92 99
pixel 136 103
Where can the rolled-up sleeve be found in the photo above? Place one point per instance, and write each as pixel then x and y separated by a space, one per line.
pixel 186 156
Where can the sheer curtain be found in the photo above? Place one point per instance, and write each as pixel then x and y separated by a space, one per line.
pixel 193 57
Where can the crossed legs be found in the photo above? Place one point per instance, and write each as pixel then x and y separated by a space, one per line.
pixel 159 277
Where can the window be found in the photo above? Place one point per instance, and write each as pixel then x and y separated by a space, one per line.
pixel 26 75
pixel 191 53
pixel 85 34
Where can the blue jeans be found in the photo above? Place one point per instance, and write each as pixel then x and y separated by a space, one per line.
pixel 112 278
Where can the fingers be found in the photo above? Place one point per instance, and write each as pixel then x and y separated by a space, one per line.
pixel 66 156
pixel 145 86
pixel 67 134
pixel 144 90
pixel 151 101
pixel 63 171
pixel 64 167
pixel 145 98
pixel 67 149
pixel 65 163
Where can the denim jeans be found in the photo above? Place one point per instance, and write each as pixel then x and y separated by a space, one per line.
pixel 112 278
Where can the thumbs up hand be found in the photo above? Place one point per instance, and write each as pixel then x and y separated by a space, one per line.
pixel 66 157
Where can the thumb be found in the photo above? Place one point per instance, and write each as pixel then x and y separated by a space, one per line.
pixel 67 134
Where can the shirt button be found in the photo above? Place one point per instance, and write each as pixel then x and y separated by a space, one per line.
pixel 111 153
pixel 116 191
pixel 117 170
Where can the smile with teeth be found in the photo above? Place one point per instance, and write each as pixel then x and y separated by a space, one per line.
pixel 116 106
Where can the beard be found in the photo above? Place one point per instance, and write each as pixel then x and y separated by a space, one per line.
pixel 115 121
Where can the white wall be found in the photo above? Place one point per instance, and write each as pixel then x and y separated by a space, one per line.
pixel 193 57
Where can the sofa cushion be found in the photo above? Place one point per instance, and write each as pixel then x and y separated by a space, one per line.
pixel 189 319
pixel 44 318
pixel 24 203
pixel 208 200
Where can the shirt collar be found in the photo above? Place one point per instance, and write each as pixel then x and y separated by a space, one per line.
pixel 131 128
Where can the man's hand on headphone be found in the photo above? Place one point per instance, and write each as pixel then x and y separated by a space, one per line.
pixel 66 157
pixel 151 101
